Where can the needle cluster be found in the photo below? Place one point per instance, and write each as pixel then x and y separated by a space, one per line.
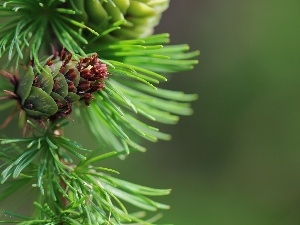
pixel 99 62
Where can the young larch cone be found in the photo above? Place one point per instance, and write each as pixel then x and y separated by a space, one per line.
pixel 50 94
pixel 139 16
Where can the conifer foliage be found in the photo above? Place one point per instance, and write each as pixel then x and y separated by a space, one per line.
pixel 99 62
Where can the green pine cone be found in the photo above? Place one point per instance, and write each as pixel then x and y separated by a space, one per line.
pixel 139 16
pixel 62 81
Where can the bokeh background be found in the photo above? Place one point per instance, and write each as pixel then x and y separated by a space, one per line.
pixel 236 161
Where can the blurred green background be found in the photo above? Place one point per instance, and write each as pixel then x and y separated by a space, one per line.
pixel 236 161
